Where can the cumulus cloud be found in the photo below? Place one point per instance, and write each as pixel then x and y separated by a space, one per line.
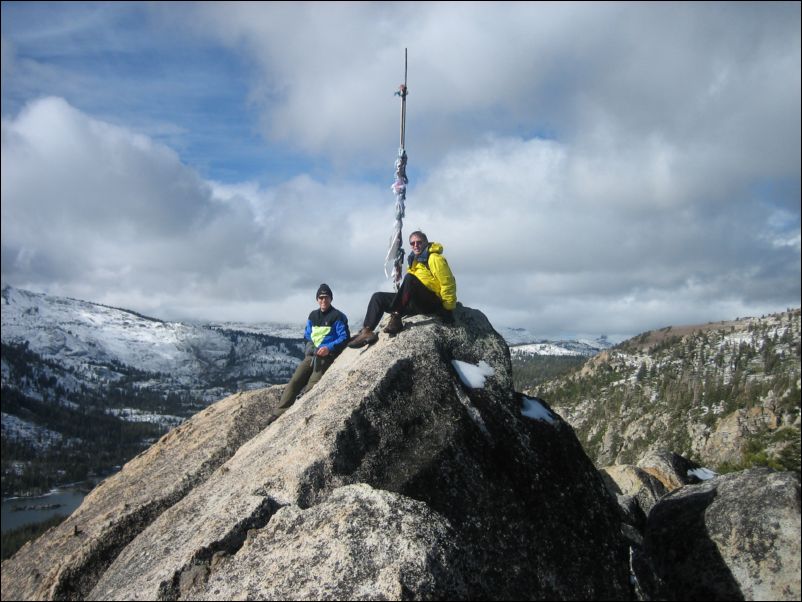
pixel 589 168
pixel 720 77
pixel 525 227
pixel 83 199
pixel 97 210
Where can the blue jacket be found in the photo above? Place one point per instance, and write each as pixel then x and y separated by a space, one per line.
pixel 329 329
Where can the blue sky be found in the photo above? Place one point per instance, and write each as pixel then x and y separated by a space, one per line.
pixel 589 168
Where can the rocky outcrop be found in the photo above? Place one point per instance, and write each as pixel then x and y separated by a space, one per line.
pixel 360 544
pixel 636 490
pixel 735 537
pixel 731 537
pixel 66 561
pixel 728 441
pixel 671 469
pixel 390 479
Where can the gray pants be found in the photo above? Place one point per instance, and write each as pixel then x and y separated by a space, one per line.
pixel 306 375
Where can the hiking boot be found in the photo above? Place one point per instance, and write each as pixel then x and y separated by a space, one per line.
pixel 395 325
pixel 366 336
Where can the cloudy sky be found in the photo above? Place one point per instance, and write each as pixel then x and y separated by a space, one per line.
pixel 589 168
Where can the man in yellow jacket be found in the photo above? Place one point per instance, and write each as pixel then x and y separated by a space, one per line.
pixel 428 288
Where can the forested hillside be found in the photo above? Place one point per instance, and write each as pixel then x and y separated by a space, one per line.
pixel 726 394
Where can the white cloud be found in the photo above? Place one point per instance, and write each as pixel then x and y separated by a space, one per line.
pixel 83 199
pixel 712 75
pixel 588 167
pixel 96 210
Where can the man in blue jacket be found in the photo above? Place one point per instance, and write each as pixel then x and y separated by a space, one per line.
pixel 326 335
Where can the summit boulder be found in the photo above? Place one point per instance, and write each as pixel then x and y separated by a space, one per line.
pixel 393 478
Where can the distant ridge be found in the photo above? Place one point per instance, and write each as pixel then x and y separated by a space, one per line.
pixel 84 336
pixel 74 371
pixel 726 394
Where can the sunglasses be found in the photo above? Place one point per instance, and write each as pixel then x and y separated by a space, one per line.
pixel 324 297
pixel 416 243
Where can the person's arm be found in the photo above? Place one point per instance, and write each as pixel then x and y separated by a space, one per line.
pixel 342 332
pixel 448 285
pixel 309 348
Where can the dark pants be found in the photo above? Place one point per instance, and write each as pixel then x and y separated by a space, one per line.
pixel 305 375
pixel 412 298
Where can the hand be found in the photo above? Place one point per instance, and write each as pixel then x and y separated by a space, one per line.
pixel 322 351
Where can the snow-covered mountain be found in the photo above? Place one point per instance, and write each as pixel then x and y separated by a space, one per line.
pixel 87 385
pixel 581 348
pixel 524 342
pixel 91 345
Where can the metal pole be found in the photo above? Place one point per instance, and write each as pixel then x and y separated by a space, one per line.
pixel 404 101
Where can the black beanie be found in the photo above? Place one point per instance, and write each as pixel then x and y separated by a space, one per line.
pixel 324 289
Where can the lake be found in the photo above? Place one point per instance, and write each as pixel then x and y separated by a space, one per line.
pixel 31 510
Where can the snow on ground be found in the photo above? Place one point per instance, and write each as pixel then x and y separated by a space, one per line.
pixel 703 474
pixel 473 376
pixel 22 430
pixel 532 408
pixel 134 415
pixel 544 349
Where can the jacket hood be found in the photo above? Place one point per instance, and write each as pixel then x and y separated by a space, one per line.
pixel 433 247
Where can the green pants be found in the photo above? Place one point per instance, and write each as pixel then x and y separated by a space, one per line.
pixel 305 376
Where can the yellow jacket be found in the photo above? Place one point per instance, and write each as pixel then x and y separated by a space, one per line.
pixel 435 274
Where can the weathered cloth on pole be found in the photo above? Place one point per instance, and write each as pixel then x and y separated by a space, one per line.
pixel 395 255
